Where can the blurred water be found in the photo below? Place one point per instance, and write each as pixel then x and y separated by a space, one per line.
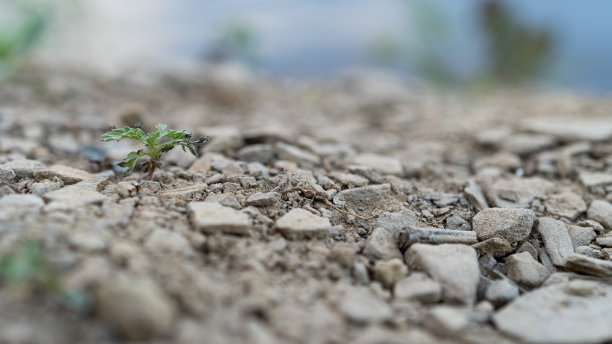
pixel 314 38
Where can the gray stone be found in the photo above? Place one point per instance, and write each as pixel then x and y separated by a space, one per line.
pixel 73 197
pixel 605 241
pixel 362 306
pixel 418 287
pixel 87 241
pixel 263 153
pixel 589 265
pixel 595 179
pixel 300 223
pixel 526 143
pixel 394 223
pixel 555 314
pixel 517 192
pixel 495 246
pixel 380 245
pixel 343 254
pixel 389 272
pixel 473 193
pixel 210 217
pixel 349 179
pixel 137 308
pixel 508 223
pixel 366 195
pixel 580 235
pixel 24 168
pixel 6 175
pixel 526 271
pixel 588 251
pixel 381 163
pixel 43 187
pixel 454 266
pixel 601 211
pixel 227 199
pixel 20 201
pixel 566 204
pixel 500 292
pixel 68 175
pixel 445 320
pixel 292 153
pixel 556 238
pixel 165 242
pixel 196 191
pixel 263 199
pixel 436 236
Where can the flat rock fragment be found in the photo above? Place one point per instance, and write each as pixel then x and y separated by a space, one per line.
pixel 601 211
pixel 567 204
pixel 210 217
pixel 300 223
pixel 507 223
pixel 556 238
pixel 588 265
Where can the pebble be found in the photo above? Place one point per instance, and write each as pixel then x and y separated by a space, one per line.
pixel 495 246
pixel 601 211
pixel 136 307
pixel 588 251
pixel 380 245
pixel 24 168
pixel 556 238
pixel 580 235
pixel 349 179
pixel 165 242
pixel 363 195
pixel 418 287
pixel 227 199
pixel 196 191
pixel 343 254
pixel 473 193
pixel 292 153
pixel 74 198
pixel 389 272
pixel 555 314
pixel 394 223
pixel 263 153
pixel 605 241
pixel 6 175
pixel 436 236
pixel 446 321
pixel 381 163
pixel 454 266
pixel 210 217
pixel 595 179
pixel 525 271
pixel 43 187
pixel 500 292
pixel 20 201
pixel 68 175
pixel 87 241
pixel 588 265
pixel 512 224
pixel 300 223
pixel 360 272
pixel 362 306
pixel 517 192
pixel 566 204
pixel 263 199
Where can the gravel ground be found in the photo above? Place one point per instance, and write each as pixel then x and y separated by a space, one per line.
pixel 351 210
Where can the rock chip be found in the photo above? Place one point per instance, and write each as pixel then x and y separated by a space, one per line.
pixel 366 195
pixel 555 314
pixel 454 266
pixel 526 271
pixel 566 204
pixel 495 246
pixel 343 254
pixel 380 163
pixel 20 201
pixel 516 192
pixel 473 193
pixel 574 128
pixel 196 191
pixel 380 245
pixel 210 217
pixel 349 179
pixel 394 223
pixel 512 224
pixel 556 238
pixel 601 211
pixel 6 175
pixel 445 320
pixel 362 306
pixel 595 179
pixel 300 223
pixel 500 292
pixel 87 241
pixel 73 197
pixel 263 199
pixel 436 236
pixel 389 272
pixel 137 308
pixel 162 241
pixel 66 174
pixel 262 152
pixel 227 199
pixel 580 235
pixel 24 168
pixel 588 265
pixel 418 287
pixel 292 153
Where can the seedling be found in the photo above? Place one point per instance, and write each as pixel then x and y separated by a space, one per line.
pixel 157 143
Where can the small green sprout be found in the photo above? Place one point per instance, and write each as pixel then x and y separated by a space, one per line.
pixel 157 143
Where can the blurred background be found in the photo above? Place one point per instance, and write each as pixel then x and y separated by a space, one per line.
pixel 461 43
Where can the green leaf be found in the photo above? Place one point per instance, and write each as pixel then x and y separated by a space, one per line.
pixel 160 128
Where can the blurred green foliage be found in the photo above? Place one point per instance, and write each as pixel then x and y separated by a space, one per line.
pixel 237 41
pixel 26 269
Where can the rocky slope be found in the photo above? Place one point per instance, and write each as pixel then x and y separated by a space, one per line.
pixel 355 210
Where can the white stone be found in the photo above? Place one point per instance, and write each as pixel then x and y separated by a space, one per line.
pixel 210 217
pixel 300 223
